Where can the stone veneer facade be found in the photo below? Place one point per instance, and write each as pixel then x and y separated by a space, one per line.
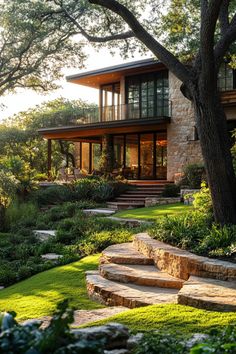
pixel 181 147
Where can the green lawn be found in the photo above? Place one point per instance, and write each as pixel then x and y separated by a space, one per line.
pixel 154 212
pixel 172 318
pixel 39 295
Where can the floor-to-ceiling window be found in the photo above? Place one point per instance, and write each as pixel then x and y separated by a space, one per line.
pixel 131 156
pixel 146 156
pixel 110 102
pixel 118 146
pixel 141 156
pixel 147 95
pixel 90 154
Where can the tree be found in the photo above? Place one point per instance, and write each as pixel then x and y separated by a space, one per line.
pixel 20 143
pixel 216 34
pixel 33 50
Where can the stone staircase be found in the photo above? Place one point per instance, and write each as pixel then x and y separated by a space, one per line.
pixel 135 198
pixel 148 272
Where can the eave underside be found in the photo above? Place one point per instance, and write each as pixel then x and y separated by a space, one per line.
pixel 94 132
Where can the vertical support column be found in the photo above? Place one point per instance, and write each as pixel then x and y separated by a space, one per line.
pixel 100 107
pixel 49 158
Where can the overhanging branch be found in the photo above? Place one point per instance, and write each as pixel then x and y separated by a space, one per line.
pixel 166 57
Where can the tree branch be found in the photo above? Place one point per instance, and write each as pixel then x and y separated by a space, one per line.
pixel 224 43
pixel 224 16
pixel 166 57
pixel 125 35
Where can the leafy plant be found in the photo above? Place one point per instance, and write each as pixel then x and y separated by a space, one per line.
pixel 202 200
pixel 171 190
pixel 193 175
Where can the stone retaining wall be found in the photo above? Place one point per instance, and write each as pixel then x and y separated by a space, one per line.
pixel 160 201
pixel 181 263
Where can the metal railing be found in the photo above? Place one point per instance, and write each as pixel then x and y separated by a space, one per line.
pixel 123 112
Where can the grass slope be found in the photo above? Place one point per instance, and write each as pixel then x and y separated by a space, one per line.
pixel 154 212
pixel 172 318
pixel 39 295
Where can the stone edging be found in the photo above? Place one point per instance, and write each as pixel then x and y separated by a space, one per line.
pixel 180 263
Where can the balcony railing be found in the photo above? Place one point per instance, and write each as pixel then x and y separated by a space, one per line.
pixel 122 112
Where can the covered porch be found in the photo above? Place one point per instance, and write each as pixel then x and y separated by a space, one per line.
pixel 134 150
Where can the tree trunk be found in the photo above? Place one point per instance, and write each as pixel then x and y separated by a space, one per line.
pixel 215 144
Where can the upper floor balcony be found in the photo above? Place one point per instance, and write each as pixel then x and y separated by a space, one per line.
pixel 122 112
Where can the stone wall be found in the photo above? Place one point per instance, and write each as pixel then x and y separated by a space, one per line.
pixel 160 201
pixel 182 149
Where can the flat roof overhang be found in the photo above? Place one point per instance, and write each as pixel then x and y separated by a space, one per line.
pixel 96 78
pixel 85 131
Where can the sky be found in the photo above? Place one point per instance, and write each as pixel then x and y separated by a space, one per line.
pixel 24 99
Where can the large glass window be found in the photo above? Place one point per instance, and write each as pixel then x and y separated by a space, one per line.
pixel 110 102
pixel 118 144
pixel 148 95
pixel 131 153
pixel 226 78
pixel 96 155
pixel 161 155
pixel 146 156
pixel 85 157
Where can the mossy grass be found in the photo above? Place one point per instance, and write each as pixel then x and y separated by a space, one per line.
pixel 172 318
pixel 39 295
pixel 155 211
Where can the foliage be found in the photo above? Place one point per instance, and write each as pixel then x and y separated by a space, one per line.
pixel 202 200
pixel 21 214
pixel 55 338
pixel 193 175
pixel 196 232
pixel 33 48
pixel 20 141
pixel 8 186
pixel 154 343
pixel 170 190
pixel 52 195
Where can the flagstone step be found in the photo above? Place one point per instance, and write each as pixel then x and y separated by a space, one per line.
pixel 139 274
pixel 112 293
pixel 180 263
pixel 125 205
pixel 124 253
pixel 210 294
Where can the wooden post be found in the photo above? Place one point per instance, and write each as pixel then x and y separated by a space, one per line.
pixel 49 158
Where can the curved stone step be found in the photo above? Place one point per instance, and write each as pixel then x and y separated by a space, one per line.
pixel 210 294
pixel 139 274
pixel 180 263
pixel 129 295
pixel 124 253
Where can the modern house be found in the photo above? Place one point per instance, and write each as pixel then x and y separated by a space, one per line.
pixel 143 126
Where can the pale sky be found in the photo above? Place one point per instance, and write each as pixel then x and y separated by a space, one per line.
pixel 25 99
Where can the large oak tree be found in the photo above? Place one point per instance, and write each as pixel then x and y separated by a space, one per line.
pixel 217 33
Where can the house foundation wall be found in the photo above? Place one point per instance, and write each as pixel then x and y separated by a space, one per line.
pixel 182 146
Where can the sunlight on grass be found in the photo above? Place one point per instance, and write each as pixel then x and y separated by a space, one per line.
pixel 172 318
pixel 39 295
pixel 154 212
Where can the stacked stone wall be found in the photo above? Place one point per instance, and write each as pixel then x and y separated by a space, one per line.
pixel 182 149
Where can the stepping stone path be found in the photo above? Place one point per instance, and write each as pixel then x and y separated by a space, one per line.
pixel 148 272
pixel 101 211
pixel 82 317
pixel 44 235
pixel 51 256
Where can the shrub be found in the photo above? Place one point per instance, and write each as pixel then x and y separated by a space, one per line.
pixel 21 214
pixel 194 174
pixel 7 275
pixel 202 200
pixel 171 190
pixel 53 195
pixel 97 241
pixel 185 231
